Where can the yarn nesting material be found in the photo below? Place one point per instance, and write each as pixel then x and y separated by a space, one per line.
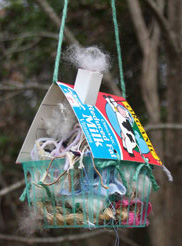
pixel 71 148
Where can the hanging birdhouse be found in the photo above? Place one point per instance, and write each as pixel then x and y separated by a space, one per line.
pixel 87 159
pixel 88 165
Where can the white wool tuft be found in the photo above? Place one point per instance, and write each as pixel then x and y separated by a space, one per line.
pixel 91 58
pixel 61 122
pixel 30 221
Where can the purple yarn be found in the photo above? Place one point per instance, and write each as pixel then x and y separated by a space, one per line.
pixel 56 151
pixel 60 150
pixel 76 140
pixel 66 165
pixel 49 142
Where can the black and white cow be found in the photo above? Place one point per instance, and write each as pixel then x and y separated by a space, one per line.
pixel 127 133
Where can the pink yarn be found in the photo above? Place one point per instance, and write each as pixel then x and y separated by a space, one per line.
pixel 133 217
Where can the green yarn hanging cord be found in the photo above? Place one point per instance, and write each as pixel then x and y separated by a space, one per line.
pixel 61 35
pixel 116 29
pixel 116 163
pixel 150 174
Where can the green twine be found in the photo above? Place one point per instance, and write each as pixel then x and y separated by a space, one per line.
pixel 24 193
pixel 61 34
pixel 116 29
pixel 150 174
pixel 46 188
pixel 105 164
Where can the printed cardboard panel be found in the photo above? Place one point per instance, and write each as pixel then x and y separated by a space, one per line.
pixel 111 127
pixel 53 97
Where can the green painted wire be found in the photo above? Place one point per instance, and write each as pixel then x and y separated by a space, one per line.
pixel 24 193
pixel 116 29
pixel 61 35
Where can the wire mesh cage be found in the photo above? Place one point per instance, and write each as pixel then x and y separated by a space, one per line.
pixel 89 197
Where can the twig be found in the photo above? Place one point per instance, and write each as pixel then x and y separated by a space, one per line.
pixel 23 48
pixel 26 35
pixel 166 126
pixel 165 25
pixel 140 26
pixel 56 20
pixel 30 86
pixel 71 39
pixel 9 198
pixel 12 187
pixel 13 94
pixel 52 239
pixel 61 239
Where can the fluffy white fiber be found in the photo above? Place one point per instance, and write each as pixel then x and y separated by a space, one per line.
pixel 91 58
pixel 30 221
pixel 61 123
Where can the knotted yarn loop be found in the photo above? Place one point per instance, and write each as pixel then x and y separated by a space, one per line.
pixel 105 164
pixel 150 174
pixel 46 188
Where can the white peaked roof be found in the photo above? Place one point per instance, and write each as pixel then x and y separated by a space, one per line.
pixel 53 97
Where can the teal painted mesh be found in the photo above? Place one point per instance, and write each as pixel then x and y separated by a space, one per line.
pixel 79 200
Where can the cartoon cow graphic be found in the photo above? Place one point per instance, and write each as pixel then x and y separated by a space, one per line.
pixel 124 119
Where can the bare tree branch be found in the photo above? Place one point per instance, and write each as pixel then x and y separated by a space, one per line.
pixel 23 48
pixel 165 25
pixel 166 126
pixel 61 239
pixel 52 239
pixel 12 187
pixel 10 96
pixel 10 201
pixel 140 26
pixel 70 39
pixel 26 35
pixel 149 46
pixel 29 86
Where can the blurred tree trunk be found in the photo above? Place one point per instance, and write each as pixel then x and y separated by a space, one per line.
pixel 149 39
pixel 149 42
pixel 165 227
pixel 174 138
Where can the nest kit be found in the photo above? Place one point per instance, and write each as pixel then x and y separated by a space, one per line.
pixel 87 159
